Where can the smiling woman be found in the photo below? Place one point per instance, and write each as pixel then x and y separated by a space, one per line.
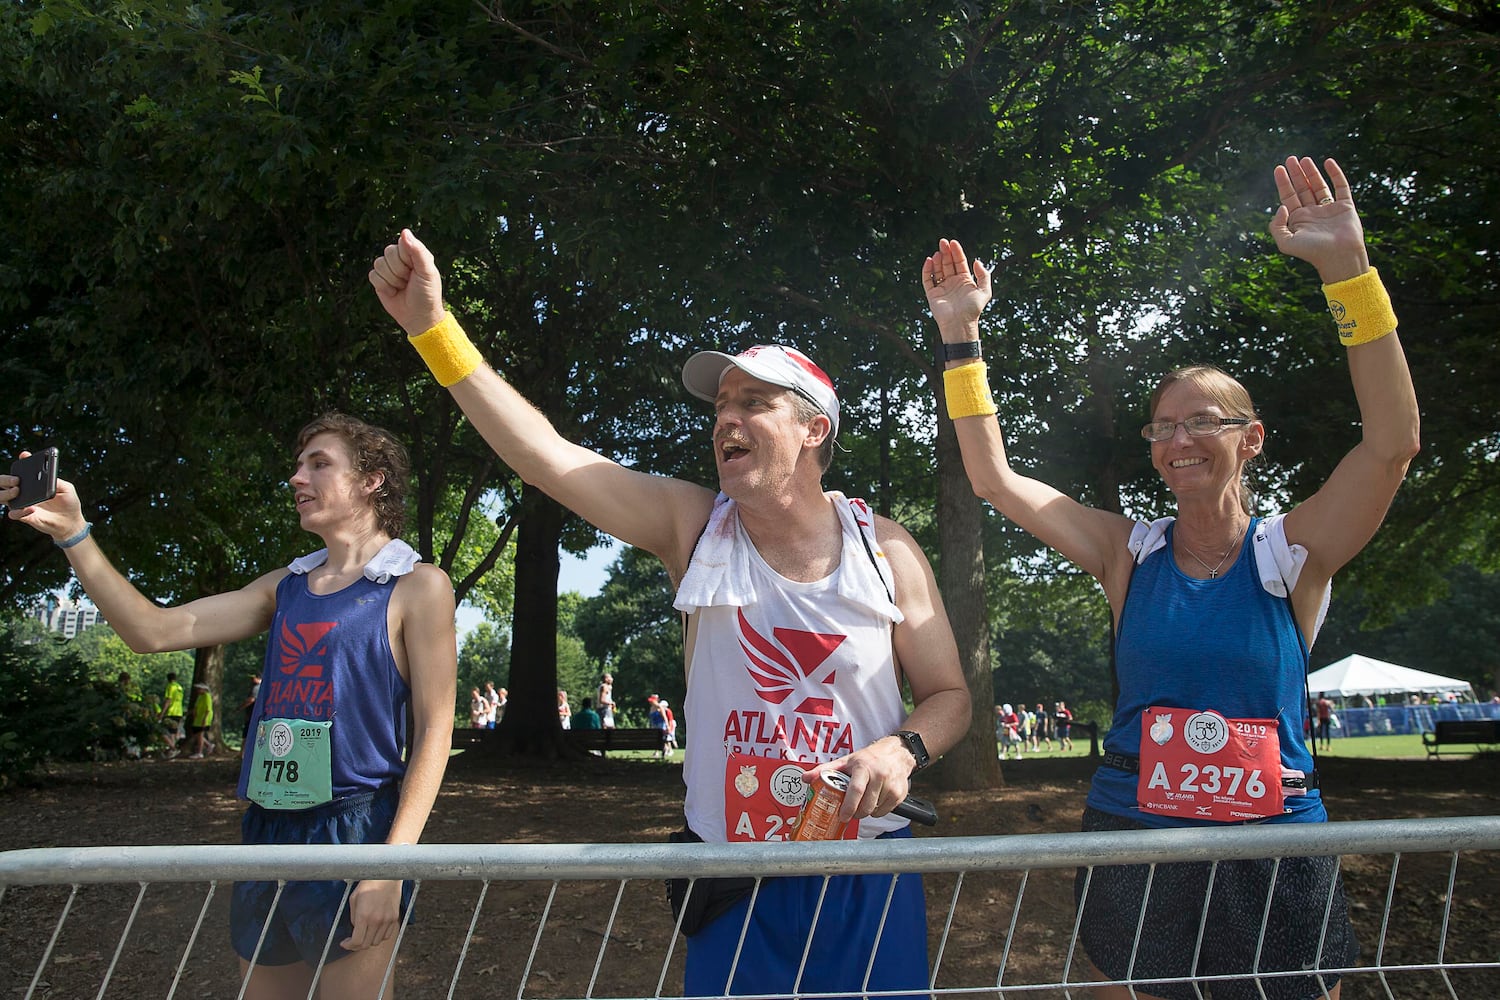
pixel 1204 421
pixel 1215 610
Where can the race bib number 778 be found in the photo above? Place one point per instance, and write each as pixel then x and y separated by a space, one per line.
pixel 291 764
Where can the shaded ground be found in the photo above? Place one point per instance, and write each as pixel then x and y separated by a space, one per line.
pixel 192 802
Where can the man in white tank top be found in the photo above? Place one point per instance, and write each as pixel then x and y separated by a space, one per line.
pixel 804 615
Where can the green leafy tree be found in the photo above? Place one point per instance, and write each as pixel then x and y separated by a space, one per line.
pixel 1050 641
pixel 631 629
pixel 610 185
pixel 1457 635
pixel 201 270
pixel 484 657
pixel 108 657
pixel 54 706
pixel 578 672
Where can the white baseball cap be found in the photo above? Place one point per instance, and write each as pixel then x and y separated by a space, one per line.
pixel 773 363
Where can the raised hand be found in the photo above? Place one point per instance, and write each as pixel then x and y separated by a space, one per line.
pixel 956 294
pixel 61 517
pixel 407 281
pixel 1316 220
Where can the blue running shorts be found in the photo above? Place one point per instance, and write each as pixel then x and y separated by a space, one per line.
pixel 299 928
pixel 846 932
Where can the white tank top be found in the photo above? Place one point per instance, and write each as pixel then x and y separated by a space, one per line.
pixel 802 674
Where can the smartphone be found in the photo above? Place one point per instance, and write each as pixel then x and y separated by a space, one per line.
pixel 38 475
pixel 918 810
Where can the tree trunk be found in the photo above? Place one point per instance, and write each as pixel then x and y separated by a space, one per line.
pixel 208 668
pixel 212 577
pixel 972 763
pixel 530 726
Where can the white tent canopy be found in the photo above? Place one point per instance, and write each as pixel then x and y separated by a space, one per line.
pixel 1356 674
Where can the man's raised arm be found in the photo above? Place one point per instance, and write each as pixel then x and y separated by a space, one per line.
pixel 661 515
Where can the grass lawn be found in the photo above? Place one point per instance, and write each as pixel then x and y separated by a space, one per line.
pixel 675 757
pixel 1390 747
pixel 1368 747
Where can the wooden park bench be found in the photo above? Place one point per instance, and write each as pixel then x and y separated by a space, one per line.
pixel 468 738
pixel 603 740
pixel 1469 732
pixel 606 740
pixel 1092 728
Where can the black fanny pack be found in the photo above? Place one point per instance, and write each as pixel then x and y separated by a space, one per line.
pixel 1130 762
pixel 699 902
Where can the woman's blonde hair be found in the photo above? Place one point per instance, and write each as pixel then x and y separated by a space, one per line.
pixel 1224 390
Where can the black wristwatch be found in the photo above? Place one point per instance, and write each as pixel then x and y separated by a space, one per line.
pixel 958 352
pixel 915 747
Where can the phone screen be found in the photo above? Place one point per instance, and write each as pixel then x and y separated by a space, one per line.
pixel 38 475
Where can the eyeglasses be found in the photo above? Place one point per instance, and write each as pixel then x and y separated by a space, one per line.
pixel 1202 425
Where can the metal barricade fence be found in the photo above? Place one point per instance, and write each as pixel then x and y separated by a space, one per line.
pixel 542 922
pixel 1408 720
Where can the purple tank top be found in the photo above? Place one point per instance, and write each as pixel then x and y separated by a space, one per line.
pixel 329 658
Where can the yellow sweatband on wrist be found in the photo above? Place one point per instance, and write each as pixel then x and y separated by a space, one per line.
pixel 1361 309
pixel 446 348
pixel 967 389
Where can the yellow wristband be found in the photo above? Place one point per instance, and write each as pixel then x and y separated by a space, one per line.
pixel 446 348
pixel 967 389
pixel 1361 309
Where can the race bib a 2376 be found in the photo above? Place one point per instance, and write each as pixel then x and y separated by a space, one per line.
pixel 1197 764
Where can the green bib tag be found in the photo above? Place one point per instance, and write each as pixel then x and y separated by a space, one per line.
pixel 293 764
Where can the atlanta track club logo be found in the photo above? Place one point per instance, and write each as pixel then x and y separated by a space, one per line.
pixel 302 648
pixel 782 663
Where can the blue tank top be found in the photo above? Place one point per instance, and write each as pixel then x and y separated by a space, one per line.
pixel 1224 644
pixel 329 658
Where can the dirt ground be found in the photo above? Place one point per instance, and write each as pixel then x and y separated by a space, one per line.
pixel 192 802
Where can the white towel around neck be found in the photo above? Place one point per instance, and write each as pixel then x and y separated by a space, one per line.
pixel 1278 562
pixel 395 558
pixel 719 572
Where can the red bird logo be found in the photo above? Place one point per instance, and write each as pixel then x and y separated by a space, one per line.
pixel 303 649
pixel 777 669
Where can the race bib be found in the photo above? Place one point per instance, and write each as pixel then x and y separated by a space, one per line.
pixel 1200 765
pixel 763 798
pixel 292 767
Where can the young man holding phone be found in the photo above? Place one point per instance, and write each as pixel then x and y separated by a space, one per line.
pixel 361 633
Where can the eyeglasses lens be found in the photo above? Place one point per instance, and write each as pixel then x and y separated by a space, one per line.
pixel 1202 425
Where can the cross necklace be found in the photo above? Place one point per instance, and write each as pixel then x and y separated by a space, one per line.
pixel 1213 571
